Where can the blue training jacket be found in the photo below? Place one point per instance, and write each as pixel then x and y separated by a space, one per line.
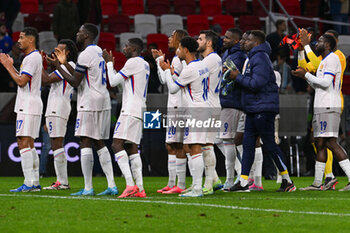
pixel 233 98
pixel 259 88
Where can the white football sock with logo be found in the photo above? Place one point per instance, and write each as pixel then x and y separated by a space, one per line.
pixel 27 165
pixel 106 164
pixel 87 163
pixel 136 169
pixel 123 163
pixel 36 174
pixel 60 164
pixel 172 170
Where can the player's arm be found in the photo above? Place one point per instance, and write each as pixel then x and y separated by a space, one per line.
pixel 173 86
pixel 158 56
pixel 312 66
pixel 314 81
pixel 20 79
pixel 314 60
pixel 257 79
pixel 74 78
pixel 47 79
pixel 114 78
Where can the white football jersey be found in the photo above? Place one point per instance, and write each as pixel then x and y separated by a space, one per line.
pixel 58 103
pixel 194 82
pixel 214 64
pixel 92 91
pixel 136 75
pixel 174 100
pixel 28 100
pixel 329 99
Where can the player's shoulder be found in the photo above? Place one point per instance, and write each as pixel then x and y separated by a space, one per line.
pixel 33 57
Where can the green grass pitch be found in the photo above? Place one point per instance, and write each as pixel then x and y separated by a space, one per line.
pixel 268 211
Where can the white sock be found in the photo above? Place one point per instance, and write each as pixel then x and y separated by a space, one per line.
pixel 189 160
pixel 27 165
pixel 123 163
pixel 60 164
pixel 330 175
pixel 209 160
pixel 240 150
pixel 244 182
pixel 258 166
pixel 172 170
pixel 238 167
pixel 106 164
pixel 36 175
pixel 345 165
pixel 319 171
pixel 230 156
pixel 87 163
pixel 181 172
pixel 220 144
pixel 136 169
pixel 197 165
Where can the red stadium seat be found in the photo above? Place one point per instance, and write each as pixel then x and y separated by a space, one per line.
pixel 49 5
pixel 41 21
pixel 118 23
pixel 132 7
pixel 185 8
pixel 196 23
pixel 29 6
pixel 257 8
pixel 15 36
pixel 249 22
pixel 210 7
pixel 119 60
pixel 236 7
pixel 158 7
pixel 160 39
pixel 291 6
pixel 109 7
pixel 107 41
pixel 225 21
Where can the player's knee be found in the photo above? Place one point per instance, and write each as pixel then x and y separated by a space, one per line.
pixel 170 148
pixel 117 146
pixel 56 143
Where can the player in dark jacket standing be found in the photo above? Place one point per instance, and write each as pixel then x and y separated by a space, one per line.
pixel 260 102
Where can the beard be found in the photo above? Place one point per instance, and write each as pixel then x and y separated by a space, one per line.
pixel 319 51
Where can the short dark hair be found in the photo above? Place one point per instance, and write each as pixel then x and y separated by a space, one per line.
pixel 279 22
pixel 73 50
pixel 31 31
pixel 190 43
pixel 212 36
pixel 334 33
pixel 331 40
pixel 236 31
pixel 137 43
pixel 258 34
pixel 91 30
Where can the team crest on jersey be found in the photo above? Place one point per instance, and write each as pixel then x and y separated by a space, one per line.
pixel 151 120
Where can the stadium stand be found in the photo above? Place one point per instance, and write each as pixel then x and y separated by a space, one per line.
pixel 49 5
pixel 225 21
pixel 47 41
pixel 132 7
pixel 119 60
pixel 169 23
pixel 257 8
pixel 210 7
pixel 158 7
pixel 124 37
pixel 29 6
pixel 160 39
pixel 107 41
pixel 291 6
pixel 40 20
pixel 109 7
pixel 118 23
pixel 236 7
pixel 145 24
pixel 196 23
pixel 185 8
pixel 249 22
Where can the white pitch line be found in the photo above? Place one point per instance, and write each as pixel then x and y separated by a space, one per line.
pixel 183 204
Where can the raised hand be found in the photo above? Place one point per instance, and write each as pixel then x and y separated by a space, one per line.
pixel 61 55
pixel 305 37
pixel 107 56
pixel 6 60
pixel 53 61
pixel 157 53
pixel 164 64
pixel 300 72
